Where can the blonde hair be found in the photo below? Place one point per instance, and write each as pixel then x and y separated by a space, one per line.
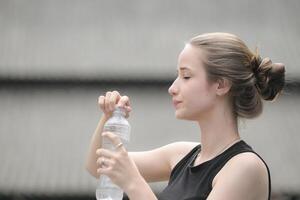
pixel 252 78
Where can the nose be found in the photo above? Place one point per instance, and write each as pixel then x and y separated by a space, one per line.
pixel 173 90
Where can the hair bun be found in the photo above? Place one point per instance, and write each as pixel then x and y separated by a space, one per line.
pixel 269 77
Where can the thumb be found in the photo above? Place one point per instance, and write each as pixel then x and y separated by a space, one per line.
pixel 124 102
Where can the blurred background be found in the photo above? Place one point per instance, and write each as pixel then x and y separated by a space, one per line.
pixel 58 56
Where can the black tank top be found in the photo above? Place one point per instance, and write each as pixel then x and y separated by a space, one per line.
pixel 188 182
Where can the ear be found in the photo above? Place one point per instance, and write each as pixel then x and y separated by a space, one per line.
pixel 223 86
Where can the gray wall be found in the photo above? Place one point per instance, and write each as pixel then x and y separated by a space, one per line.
pixel 109 39
pixel 45 128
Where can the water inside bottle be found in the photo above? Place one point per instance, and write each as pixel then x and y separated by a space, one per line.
pixel 122 131
pixel 108 190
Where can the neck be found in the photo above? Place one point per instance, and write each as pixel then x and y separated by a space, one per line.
pixel 218 132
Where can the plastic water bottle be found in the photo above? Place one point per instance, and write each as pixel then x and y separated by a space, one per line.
pixel 106 189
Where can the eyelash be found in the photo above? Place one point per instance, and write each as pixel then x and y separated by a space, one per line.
pixel 185 77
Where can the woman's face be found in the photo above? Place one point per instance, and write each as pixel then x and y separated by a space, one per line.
pixel 192 95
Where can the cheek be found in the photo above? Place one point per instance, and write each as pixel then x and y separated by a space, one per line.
pixel 201 96
pixel 201 101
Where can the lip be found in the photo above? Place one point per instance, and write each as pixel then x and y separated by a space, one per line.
pixel 175 103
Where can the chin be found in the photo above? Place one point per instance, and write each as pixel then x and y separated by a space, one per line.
pixel 178 115
pixel 184 116
pixel 181 115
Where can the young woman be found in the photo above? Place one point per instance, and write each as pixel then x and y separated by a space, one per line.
pixel 219 80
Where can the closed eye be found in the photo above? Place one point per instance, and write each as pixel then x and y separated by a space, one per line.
pixel 186 78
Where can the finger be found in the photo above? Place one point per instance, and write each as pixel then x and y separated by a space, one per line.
pixel 124 101
pixel 101 102
pixel 115 140
pixel 99 161
pixel 105 164
pixel 104 171
pixel 114 98
pixel 128 110
pixel 105 153
pixel 104 161
pixel 107 97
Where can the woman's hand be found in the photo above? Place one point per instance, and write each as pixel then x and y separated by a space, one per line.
pixel 117 165
pixel 108 103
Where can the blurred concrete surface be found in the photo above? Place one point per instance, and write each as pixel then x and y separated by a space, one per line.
pixel 92 39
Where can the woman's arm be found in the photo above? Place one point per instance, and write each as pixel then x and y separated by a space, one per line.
pixel 131 170
pixel 122 170
pixel 146 161
pixel 91 164
pixel 140 190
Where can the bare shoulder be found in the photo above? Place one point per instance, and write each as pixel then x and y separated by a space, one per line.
pixel 249 164
pixel 242 175
pixel 180 149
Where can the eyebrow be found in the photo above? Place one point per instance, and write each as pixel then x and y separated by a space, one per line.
pixel 183 68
